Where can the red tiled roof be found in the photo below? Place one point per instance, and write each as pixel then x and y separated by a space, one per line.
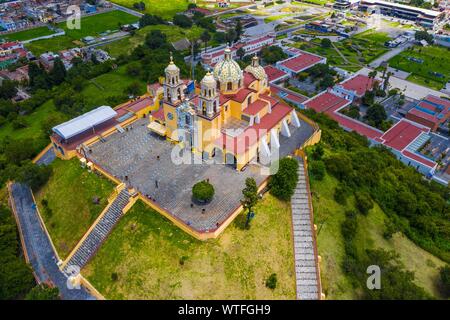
pixel 434 99
pixel 326 101
pixel 252 134
pixel 402 134
pixel 248 78
pixel 255 107
pixel 159 114
pixel 418 158
pixel 423 115
pixel 241 95
pixel 301 62
pixel 274 73
pixel 359 84
pixel 268 98
pixel 357 126
pixel 140 104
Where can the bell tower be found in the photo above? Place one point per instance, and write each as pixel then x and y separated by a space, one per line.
pixel 208 104
pixel 173 86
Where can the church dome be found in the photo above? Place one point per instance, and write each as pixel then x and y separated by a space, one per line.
pixel 209 80
pixel 172 68
pixel 256 69
pixel 227 70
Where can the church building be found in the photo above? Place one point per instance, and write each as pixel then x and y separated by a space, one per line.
pixel 232 118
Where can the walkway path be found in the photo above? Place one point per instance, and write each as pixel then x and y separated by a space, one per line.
pixel 37 245
pixel 390 54
pixel 306 266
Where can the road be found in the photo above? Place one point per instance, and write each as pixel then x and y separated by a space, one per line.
pixel 40 251
pixel 127 10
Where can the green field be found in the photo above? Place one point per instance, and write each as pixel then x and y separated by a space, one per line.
pixel 70 192
pixel 329 216
pixel 90 26
pixel 435 59
pixel 145 250
pixel 110 84
pixel 355 52
pixel 165 8
pixel 173 33
pixel 28 34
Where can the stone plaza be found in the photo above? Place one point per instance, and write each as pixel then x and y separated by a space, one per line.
pixel 143 161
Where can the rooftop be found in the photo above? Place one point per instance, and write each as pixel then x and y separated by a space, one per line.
pixel 301 62
pixel 84 122
pixel 359 84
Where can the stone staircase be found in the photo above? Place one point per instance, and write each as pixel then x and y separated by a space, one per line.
pixel 92 242
pixel 305 259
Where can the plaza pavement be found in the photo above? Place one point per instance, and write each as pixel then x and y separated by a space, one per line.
pixel 135 153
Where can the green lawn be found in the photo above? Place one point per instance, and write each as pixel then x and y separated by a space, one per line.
pixel 164 8
pixel 173 33
pixel 111 84
pixel 70 192
pixel 28 34
pixel 435 59
pixel 90 26
pixel 329 216
pixel 145 251
pixel 356 51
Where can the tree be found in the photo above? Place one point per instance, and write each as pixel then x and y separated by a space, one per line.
pixel 282 184
pixel 238 29
pixel 58 73
pixel 134 69
pixel 150 20
pixel 271 282
pixel 273 54
pixel 182 21
pixel 376 115
pixel 8 89
pixel 445 281
pixel 241 53
pixel 363 202
pixel 317 170
pixel 38 77
pixel 51 121
pixel 203 191
pixel 156 39
pixel 133 89
pixel 230 36
pixel 16 151
pixel 205 37
pixel 42 292
pixel 325 43
pixel 35 176
pixel 251 198
pixel 423 35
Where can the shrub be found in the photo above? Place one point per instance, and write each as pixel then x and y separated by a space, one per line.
pixel 114 276
pixel 203 191
pixel 445 281
pixel 271 282
pixel 341 193
pixel 363 202
pixel 282 184
pixel 317 170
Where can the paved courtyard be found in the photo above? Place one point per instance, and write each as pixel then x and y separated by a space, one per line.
pixel 143 161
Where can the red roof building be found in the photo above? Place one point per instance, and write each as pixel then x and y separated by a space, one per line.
pixel 275 74
pixel 430 112
pixel 300 62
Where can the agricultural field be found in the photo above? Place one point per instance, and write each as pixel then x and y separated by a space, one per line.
pixel 67 202
pixel 350 54
pixel 28 34
pixel 173 33
pixel 147 257
pixel 329 216
pixel 90 26
pixel 429 66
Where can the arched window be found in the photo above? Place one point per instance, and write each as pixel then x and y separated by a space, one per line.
pixel 229 86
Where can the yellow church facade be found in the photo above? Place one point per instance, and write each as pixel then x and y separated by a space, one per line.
pixel 232 118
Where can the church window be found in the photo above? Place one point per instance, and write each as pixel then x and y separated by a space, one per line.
pixel 229 86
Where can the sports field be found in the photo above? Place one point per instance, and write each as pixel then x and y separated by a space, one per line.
pixel 429 66
pixel 90 26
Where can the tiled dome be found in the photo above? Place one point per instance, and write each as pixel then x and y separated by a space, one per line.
pixel 256 69
pixel 227 70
